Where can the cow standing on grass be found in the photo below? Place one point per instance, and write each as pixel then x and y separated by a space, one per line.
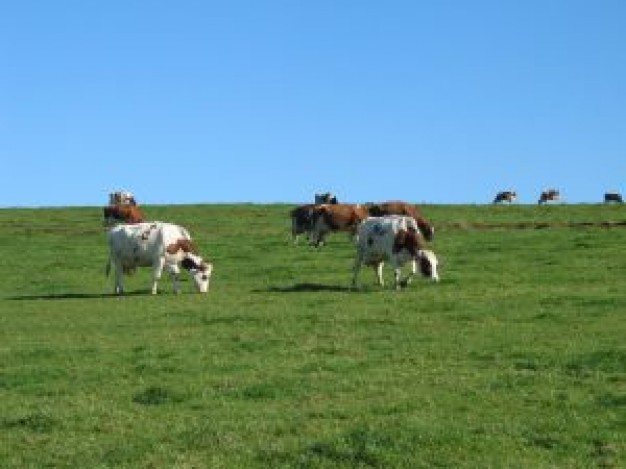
pixel 394 239
pixel 550 195
pixel 156 245
pixel 505 196
pixel 327 219
pixel 403 208
pixel 613 197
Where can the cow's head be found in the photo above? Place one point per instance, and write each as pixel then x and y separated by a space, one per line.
pixel 200 271
pixel 428 264
pixel 427 230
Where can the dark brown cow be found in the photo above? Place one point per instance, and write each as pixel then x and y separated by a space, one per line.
pixel 301 220
pixel 505 196
pixel 613 197
pixel 114 214
pixel 330 218
pixel 549 195
pixel 403 208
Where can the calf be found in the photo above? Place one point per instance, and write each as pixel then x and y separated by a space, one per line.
pixel 505 196
pixel 403 208
pixel 395 239
pixel 156 245
pixel 331 218
pixel 114 214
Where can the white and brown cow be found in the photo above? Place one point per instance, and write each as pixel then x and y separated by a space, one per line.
pixel 505 196
pixel 332 218
pixel 393 239
pixel 156 245
pixel 549 195
pixel 403 208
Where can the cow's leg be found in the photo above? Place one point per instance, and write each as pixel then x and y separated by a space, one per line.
pixel 175 274
pixel 157 270
pixel 119 274
pixel 379 273
pixel 357 267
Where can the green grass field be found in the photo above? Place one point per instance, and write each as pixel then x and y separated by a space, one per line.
pixel 516 359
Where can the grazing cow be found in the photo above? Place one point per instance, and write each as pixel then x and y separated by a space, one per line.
pixel 403 208
pixel 395 239
pixel 505 196
pixel 156 245
pixel 549 195
pixel 613 197
pixel 114 214
pixel 301 220
pixel 330 218
pixel 326 198
pixel 122 198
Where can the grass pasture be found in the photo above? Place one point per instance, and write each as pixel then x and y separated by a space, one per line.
pixel 516 359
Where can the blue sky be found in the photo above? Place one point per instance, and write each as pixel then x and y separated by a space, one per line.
pixel 438 101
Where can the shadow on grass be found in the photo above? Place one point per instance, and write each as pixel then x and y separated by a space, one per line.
pixel 75 296
pixel 306 287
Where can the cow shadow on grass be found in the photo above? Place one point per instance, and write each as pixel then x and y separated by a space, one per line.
pixel 76 296
pixel 305 287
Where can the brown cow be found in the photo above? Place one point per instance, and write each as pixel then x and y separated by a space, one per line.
pixel 114 214
pixel 403 208
pixel 331 218
pixel 549 195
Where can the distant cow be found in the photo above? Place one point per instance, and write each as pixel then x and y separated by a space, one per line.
pixel 394 239
pixel 613 197
pixel 403 208
pixel 156 245
pixel 301 220
pixel 505 196
pixel 122 198
pixel 330 218
pixel 549 195
pixel 326 198
pixel 114 214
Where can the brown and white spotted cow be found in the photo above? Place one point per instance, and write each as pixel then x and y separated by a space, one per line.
pixel 393 239
pixel 406 209
pixel 549 195
pixel 505 196
pixel 156 245
pixel 332 218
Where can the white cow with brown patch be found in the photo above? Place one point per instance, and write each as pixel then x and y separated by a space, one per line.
pixel 157 245
pixel 394 239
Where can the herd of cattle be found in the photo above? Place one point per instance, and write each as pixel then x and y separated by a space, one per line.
pixel 394 232
pixel 551 195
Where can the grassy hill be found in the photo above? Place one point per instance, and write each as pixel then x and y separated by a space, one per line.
pixel 516 359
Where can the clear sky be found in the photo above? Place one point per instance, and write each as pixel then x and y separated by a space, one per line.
pixel 430 101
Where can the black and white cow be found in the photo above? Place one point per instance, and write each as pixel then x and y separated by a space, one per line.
pixel 156 245
pixel 395 239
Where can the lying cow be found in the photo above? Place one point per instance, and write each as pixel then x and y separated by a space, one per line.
pixel 549 195
pixel 156 245
pixel 394 239
pixel 122 198
pixel 505 196
pixel 403 208
pixel 332 218
pixel 114 214
pixel 326 198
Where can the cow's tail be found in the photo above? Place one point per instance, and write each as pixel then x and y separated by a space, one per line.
pixel 107 269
